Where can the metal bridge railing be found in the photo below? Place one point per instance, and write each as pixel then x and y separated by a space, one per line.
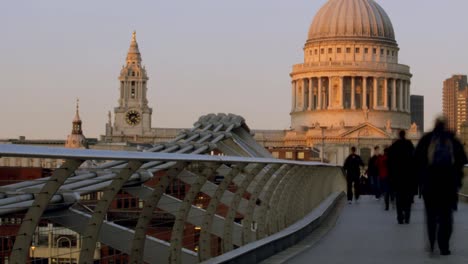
pixel 248 198
pixel 268 196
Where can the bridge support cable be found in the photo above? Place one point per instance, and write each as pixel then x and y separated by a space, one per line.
pixel 171 205
pixel 216 199
pixel 90 236
pixel 25 234
pixel 204 172
pixel 261 217
pixel 228 235
pixel 273 215
pixel 283 196
pixel 247 234
pixel 138 243
pixel 293 200
pixel 305 195
pixel 269 194
pixel 210 188
pixel 117 236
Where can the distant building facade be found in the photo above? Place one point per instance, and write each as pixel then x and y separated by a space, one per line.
pixel 350 90
pixel 454 100
pixel 132 116
pixel 417 111
pixel 76 139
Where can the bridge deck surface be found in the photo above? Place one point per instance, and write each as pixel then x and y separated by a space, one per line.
pixel 365 233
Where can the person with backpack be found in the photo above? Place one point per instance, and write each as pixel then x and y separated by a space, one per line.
pixel 352 167
pixel 440 158
pixel 403 180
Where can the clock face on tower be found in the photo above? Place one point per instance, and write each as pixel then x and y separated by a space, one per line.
pixel 133 117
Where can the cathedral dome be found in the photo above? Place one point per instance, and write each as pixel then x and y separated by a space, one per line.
pixel 351 19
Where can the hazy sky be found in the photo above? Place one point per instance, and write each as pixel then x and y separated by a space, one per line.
pixel 201 56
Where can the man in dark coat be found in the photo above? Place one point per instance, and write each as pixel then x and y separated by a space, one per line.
pixel 402 178
pixel 440 158
pixel 352 167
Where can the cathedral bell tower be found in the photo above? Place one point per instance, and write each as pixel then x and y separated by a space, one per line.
pixel 132 116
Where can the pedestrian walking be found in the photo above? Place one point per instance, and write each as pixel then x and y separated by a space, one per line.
pixel 403 180
pixel 373 173
pixel 352 167
pixel 440 159
pixel 382 166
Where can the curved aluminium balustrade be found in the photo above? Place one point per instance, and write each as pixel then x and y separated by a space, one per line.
pixel 260 197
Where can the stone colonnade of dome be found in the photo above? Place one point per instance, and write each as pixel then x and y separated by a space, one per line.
pixel 328 93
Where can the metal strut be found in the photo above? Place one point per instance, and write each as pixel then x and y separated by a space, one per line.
pixel 20 251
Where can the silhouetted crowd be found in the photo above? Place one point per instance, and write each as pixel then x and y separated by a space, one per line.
pixel 433 170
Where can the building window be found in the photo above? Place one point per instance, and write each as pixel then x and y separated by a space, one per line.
pixel 322 51
pixel 330 50
pixel 133 93
pixel 393 53
pixel 300 155
pixel 381 51
pixel 338 50
pixel 388 52
pixel 374 50
pixel 289 155
pixel 316 51
pixel 348 50
pixel 366 50
pixel 358 50
pixel 275 154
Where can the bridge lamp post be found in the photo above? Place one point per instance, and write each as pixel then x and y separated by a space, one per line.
pixel 33 247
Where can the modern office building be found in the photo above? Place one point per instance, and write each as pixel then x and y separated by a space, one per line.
pixel 417 111
pixel 454 97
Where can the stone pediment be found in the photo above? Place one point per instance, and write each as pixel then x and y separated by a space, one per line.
pixel 366 130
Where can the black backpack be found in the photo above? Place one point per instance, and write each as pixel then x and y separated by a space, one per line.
pixel 440 152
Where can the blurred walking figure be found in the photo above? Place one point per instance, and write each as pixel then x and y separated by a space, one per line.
pixel 382 165
pixel 440 158
pixel 373 173
pixel 403 179
pixel 352 167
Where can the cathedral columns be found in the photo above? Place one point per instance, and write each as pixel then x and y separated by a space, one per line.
pixel 408 97
pixel 364 92
pixel 319 93
pixel 341 93
pixel 394 95
pixel 400 97
pixel 353 93
pixel 311 95
pixel 293 85
pixel 303 95
pixel 375 92
pixel 385 93
pixel 404 95
pixel 330 94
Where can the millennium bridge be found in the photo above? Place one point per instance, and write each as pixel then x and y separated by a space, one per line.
pixel 254 208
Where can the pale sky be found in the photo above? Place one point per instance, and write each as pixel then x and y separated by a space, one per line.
pixel 205 56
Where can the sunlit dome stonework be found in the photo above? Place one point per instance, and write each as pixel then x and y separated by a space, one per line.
pixel 343 19
pixel 351 75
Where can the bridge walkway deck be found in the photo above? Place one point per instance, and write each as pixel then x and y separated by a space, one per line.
pixel 365 233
